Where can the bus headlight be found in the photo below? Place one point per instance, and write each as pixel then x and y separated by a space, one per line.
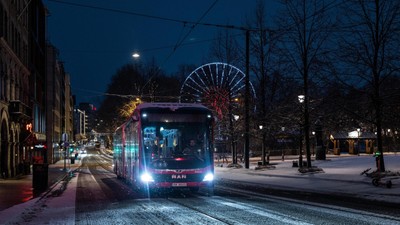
pixel 146 177
pixel 208 177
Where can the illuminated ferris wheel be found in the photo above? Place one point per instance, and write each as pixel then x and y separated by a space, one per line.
pixel 216 85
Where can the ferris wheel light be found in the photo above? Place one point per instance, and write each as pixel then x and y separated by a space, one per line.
pixel 216 85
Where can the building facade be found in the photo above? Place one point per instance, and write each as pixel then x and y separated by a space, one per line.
pixel 36 104
pixel 22 66
pixel 80 126
pixel 90 118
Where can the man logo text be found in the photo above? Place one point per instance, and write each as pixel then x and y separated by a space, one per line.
pixel 178 176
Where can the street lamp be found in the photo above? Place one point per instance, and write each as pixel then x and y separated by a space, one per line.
pixel 388 139
pixel 233 136
pixel 358 141
pixel 135 55
pixel 263 145
pixel 283 150
pixel 395 140
pixel 301 99
pixel 315 142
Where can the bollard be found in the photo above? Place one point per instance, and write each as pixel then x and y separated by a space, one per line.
pixel 378 160
pixel 378 163
pixel 40 176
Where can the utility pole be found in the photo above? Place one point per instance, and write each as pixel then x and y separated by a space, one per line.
pixel 246 104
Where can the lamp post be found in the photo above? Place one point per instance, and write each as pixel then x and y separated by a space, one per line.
pixel 315 142
pixel 233 136
pixel 283 150
pixel 263 145
pixel 358 141
pixel 388 140
pixel 301 99
pixel 395 141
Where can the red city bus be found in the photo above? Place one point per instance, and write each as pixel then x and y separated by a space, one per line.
pixel 166 146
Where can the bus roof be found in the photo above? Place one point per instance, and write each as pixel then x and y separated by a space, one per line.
pixel 170 105
pixel 173 106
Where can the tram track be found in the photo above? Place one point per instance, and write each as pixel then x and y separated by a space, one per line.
pixel 202 212
pixel 220 202
pixel 277 215
pixel 103 162
pixel 342 210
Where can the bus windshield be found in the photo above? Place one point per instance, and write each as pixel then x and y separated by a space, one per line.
pixel 176 140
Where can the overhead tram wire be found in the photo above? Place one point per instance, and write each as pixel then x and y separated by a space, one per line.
pixel 149 49
pixel 179 43
pixel 116 11
pixel 155 17
pixel 327 7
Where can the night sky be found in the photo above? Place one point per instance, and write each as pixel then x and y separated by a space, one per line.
pixel 97 37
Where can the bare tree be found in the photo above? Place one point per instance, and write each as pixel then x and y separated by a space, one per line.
pixel 184 71
pixel 125 85
pixel 226 48
pixel 130 85
pixel 304 43
pixel 369 50
pixel 265 67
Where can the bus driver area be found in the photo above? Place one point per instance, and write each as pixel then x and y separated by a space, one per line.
pixel 169 144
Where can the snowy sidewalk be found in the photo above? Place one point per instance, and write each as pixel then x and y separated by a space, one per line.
pixel 340 176
pixel 48 209
pixel 54 206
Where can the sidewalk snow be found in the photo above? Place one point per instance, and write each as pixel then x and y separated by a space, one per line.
pixel 341 175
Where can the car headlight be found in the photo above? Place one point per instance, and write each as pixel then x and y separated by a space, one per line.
pixel 146 178
pixel 208 177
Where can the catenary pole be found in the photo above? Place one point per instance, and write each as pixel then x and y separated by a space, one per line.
pixel 247 96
